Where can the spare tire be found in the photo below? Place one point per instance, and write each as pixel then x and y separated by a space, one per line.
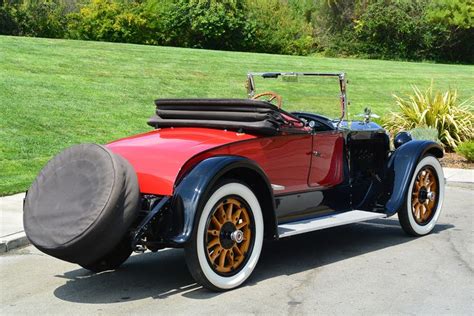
pixel 82 204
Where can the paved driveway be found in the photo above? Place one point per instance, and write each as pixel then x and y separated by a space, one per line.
pixel 356 269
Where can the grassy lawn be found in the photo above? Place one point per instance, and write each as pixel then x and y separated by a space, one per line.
pixel 56 93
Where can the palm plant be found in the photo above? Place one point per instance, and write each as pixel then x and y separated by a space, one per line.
pixel 454 121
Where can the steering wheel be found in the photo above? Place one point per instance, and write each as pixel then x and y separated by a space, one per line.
pixel 272 95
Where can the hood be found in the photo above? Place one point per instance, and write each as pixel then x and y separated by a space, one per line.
pixel 159 155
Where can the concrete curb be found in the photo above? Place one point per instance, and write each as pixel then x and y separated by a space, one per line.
pixel 13 241
pixel 12 234
pixel 459 175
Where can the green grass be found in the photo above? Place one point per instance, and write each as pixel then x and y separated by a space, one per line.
pixel 56 93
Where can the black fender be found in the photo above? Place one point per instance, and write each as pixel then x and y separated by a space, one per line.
pixel 191 193
pixel 401 165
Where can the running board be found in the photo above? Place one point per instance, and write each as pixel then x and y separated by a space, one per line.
pixel 308 225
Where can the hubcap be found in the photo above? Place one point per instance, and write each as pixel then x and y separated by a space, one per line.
pixel 237 236
pixel 424 195
pixel 229 235
pixel 430 196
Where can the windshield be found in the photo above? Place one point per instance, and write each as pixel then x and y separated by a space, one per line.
pixel 305 92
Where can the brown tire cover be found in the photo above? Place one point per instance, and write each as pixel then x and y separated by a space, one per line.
pixel 81 204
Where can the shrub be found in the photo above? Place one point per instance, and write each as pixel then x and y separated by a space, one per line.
pixel 8 23
pixel 262 26
pixel 396 29
pixel 214 24
pixel 40 18
pixel 393 29
pixel 453 120
pixel 466 149
pixel 109 20
pixel 454 22
pixel 278 28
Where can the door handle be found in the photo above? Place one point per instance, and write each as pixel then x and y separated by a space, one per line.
pixel 316 153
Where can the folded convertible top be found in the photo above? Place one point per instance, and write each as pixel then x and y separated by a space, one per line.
pixel 234 114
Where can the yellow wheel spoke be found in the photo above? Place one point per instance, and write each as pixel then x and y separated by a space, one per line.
pixel 237 250
pixel 230 257
pixel 222 258
pixel 213 232
pixel 423 176
pixel 212 243
pixel 221 213
pixel 236 216
pixel 241 225
pixel 216 222
pixel 417 211
pixel 215 254
pixel 229 212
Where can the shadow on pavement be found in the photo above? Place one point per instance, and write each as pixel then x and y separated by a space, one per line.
pixel 163 274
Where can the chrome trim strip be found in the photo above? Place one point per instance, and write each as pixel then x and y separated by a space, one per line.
pixel 277 187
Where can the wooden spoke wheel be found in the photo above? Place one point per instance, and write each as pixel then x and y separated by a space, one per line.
pixel 424 195
pixel 229 235
pixel 424 198
pixel 228 238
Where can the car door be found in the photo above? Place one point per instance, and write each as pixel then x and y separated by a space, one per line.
pixel 326 169
pixel 285 159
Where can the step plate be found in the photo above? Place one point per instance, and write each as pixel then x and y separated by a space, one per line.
pixel 300 227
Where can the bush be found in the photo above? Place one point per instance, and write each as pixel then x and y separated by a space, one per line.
pixel 40 18
pixel 108 20
pixel 260 26
pixel 278 28
pixel 453 120
pixel 394 29
pixel 213 24
pixel 8 23
pixel 454 22
pixel 397 29
pixel 467 150
pixel 271 26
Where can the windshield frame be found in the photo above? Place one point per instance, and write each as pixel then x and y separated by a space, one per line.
pixel 274 75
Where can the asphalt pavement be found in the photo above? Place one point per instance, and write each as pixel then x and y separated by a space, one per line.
pixel 366 268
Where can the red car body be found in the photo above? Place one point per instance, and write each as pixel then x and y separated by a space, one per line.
pixel 286 160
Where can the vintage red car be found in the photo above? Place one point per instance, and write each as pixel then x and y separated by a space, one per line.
pixel 218 176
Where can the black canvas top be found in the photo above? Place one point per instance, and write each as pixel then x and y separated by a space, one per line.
pixel 244 115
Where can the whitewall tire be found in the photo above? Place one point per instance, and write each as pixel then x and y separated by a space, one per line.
pixel 424 198
pixel 228 238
